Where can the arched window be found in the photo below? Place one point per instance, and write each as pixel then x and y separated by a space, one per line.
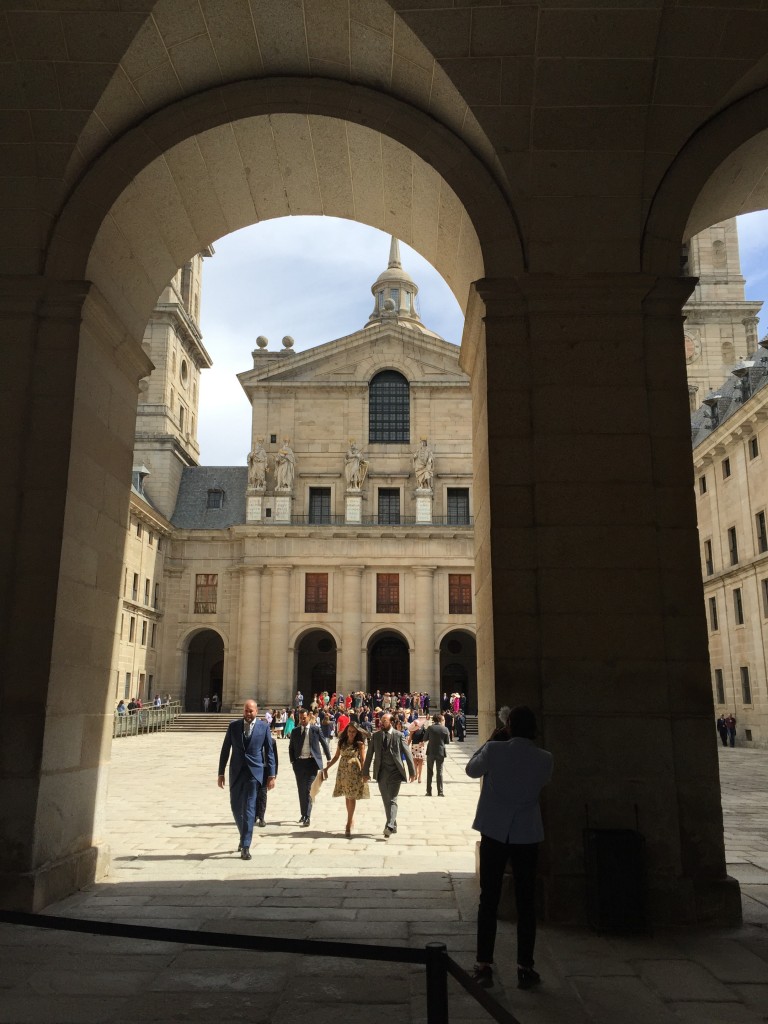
pixel 389 419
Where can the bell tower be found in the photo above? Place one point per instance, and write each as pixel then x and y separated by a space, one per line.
pixel 721 325
pixel 167 415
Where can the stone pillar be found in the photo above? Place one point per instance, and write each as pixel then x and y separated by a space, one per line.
pixel 589 595
pixel 249 635
pixel 351 677
pixel 424 660
pixel 68 394
pixel 278 688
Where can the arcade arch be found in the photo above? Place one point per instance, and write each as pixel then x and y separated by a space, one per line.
pixel 389 663
pixel 316 662
pixel 204 674
pixel 458 666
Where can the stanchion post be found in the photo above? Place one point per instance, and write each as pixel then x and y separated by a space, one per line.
pixel 437 983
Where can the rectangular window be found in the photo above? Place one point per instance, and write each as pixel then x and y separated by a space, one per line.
pixel 709 564
pixel 762 533
pixel 150 538
pixel 726 464
pixel 147 585
pixel 316 592
pixel 458 506
pixel 319 504
pixel 142 677
pixel 389 506
pixel 754 448
pixel 215 499
pixel 738 607
pixel 388 592
pixel 206 586
pixel 702 485
pixel 459 594
pixel 764 591
pixel 713 614
pixel 150 681
pixel 746 686
pixel 135 587
pixel 159 543
pixel 143 632
pixel 157 595
pixel 139 529
pixel 131 629
pixel 153 635
pixel 733 547
pixel 719 686
pixel 127 685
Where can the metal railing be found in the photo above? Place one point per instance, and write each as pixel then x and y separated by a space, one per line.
pixel 143 720
pixel 434 957
pixel 453 522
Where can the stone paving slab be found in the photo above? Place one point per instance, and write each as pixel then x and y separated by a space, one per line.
pixel 174 865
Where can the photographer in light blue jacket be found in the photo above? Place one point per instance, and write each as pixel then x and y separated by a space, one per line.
pixel 514 771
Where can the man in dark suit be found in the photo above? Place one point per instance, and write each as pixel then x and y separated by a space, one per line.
pixel 390 755
pixel 249 741
pixel 305 750
pixel 436 737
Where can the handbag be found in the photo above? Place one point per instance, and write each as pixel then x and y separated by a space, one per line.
pixel 314 789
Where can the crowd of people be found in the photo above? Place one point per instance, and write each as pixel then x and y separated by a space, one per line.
pixel 135 704
pixel 389 746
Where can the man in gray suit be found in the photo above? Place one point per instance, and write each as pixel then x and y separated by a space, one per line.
pixel 436 737
pixel 390 755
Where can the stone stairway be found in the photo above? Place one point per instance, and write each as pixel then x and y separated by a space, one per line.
pixel 189 721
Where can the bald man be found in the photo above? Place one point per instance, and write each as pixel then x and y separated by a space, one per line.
pixel 252 765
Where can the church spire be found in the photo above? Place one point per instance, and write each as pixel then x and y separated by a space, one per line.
pixel 394 293
pixel 394 255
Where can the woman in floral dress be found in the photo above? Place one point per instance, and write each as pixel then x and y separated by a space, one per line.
pixel 349 777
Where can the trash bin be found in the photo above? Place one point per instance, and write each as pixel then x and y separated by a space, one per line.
pixel 616 879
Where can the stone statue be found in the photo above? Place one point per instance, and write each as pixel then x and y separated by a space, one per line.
pixel 355 467
pixel 257 467
pixel 423 466
pixel 285 465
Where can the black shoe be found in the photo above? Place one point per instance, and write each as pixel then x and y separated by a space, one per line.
pixel 260 823
pixel 305 823
pixel 245 853
pixel 527 977
pixel 427 793
pixel 483 976
pixel 441 794
pixel 302 819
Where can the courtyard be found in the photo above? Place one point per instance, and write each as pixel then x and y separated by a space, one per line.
pixel 174 865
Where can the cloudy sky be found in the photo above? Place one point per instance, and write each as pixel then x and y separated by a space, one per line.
pixel 310 278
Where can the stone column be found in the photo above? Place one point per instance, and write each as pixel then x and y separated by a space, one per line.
pixel 249 635
pixel 278 688
pixel 589 595
pixel 423 675
pixel 352 629
pixel 68 394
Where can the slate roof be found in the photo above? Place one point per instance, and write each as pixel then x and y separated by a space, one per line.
pixel 731 398
pixel 192 512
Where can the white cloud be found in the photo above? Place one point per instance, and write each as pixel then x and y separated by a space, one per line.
pixel 308 277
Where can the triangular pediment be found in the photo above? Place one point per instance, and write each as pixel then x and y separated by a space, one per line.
pixel 357 357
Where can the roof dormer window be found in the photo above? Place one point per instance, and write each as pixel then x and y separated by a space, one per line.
pixel 215 498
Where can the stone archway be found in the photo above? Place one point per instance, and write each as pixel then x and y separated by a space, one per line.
pixel 458 666
pixel 315 663
pixel 388 664
pixel 204 669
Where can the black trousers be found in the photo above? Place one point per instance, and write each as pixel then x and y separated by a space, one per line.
pixel 493 860
pixel 305 769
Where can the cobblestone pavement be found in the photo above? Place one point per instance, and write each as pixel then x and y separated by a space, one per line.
pixel 174 864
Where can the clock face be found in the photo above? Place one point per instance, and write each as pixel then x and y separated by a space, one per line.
pixel 692 348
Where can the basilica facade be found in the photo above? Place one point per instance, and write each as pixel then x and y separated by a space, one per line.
pixel 341 556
